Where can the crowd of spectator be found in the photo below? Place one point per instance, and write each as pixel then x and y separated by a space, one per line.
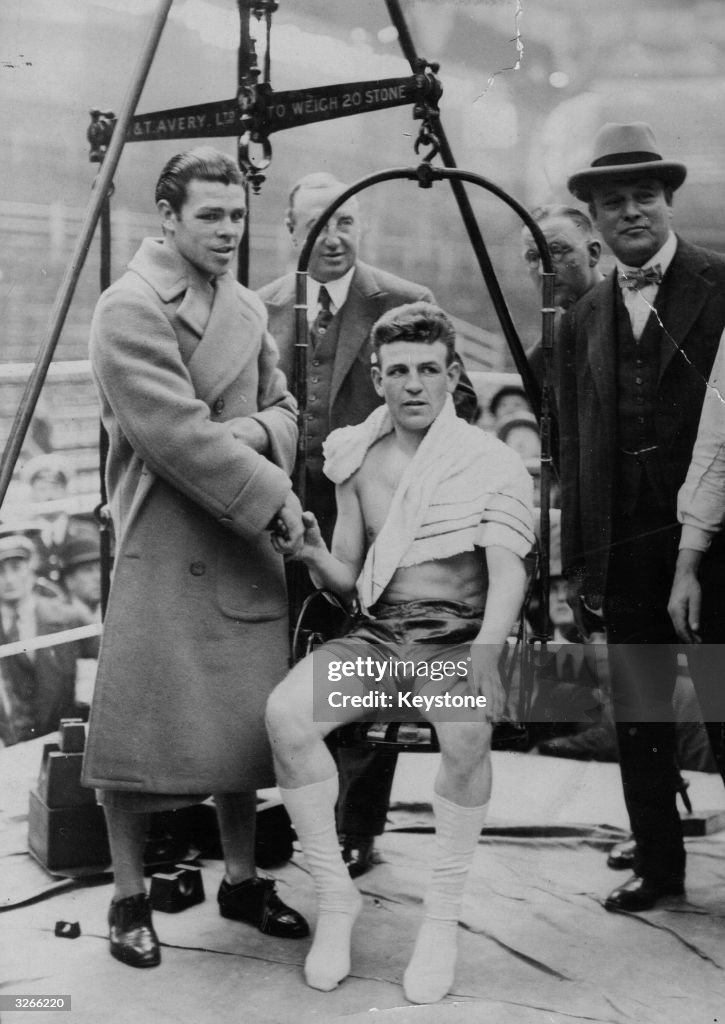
pixel 50 582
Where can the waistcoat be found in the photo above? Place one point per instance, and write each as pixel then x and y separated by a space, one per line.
pixel 638 365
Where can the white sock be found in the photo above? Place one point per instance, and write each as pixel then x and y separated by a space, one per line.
pixel 312 810
pixel 432 968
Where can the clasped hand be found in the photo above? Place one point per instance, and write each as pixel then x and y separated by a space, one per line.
pixel 296 542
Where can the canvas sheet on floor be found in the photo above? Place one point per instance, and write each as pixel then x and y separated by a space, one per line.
pixel 535 943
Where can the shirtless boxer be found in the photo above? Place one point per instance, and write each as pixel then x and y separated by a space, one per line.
pixel 434 520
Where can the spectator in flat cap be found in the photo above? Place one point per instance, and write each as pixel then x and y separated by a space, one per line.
pixel 37 688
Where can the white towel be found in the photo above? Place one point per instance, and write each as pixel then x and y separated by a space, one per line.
pixel 462 488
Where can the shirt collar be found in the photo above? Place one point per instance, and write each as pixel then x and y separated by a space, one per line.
pixel 663 256
pixel 337 290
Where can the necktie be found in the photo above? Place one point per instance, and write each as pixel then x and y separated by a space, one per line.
pixel 635 279
pixel 324 315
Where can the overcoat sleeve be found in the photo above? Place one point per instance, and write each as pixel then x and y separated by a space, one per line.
pixel 277 408
pixel 138 366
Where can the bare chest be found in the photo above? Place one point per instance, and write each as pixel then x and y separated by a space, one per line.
pixel 378 484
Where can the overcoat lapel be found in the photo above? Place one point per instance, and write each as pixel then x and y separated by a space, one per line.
pixel 223 349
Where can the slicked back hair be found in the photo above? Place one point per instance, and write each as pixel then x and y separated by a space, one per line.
pixel 204 163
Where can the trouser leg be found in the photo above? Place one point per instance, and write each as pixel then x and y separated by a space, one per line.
pixel 643 678
pixel 366 780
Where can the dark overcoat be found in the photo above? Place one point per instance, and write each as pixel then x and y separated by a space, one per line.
pixel 691 306
pixel 195 636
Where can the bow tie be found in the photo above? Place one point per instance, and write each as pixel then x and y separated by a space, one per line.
pixel 635 279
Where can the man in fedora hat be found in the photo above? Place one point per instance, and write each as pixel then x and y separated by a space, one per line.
pixel 636 354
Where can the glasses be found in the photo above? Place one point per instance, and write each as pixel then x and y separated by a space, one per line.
pixel 558 253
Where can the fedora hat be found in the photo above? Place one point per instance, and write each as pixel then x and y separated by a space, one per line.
pixel 625 151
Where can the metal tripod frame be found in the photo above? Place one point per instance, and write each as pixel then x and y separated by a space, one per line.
pixel 424 175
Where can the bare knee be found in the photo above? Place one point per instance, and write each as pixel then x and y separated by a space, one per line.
pixel 465 746
pixel 287 708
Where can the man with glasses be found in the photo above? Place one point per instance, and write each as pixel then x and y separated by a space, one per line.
pixel 575 254
pixel 574 249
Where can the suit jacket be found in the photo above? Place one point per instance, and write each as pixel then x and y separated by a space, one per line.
pixel 372 293
pixel 51 555
pixel 195 634
pixel 691 305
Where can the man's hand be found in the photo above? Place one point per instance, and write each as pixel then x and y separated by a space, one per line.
pixel 310 543
pixel 686 597
pixel 487 680
pixel 587 621
pixel 288 529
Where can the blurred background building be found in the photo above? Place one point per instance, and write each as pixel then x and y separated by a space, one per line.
pixel 526 85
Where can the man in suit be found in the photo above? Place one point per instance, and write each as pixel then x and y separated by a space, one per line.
pixel 202 434
pixel 37 688
pixel 345 297
pixel 636 354
pixel 574 250
pixel 49 477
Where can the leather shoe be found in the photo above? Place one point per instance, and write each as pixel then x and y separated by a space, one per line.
pixel 132 936
pixel 621 857
pixel 256 902
pixel 640 893
pixel 358 852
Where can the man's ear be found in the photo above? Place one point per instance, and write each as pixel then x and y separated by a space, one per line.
pixel 290 225
pixel 377 379
pixel 453 373
pixel 168 217
pixel 595 252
